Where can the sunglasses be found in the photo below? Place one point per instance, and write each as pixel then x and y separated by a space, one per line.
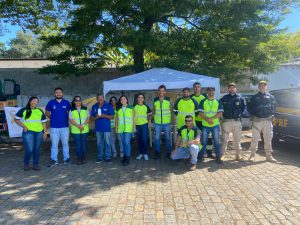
pixel 188 120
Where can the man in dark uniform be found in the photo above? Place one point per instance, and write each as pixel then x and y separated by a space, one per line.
pixel 262 107
pixel 233 105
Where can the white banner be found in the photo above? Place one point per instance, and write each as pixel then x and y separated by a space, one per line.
pixel 14 129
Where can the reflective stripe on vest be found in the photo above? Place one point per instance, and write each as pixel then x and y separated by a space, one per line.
pixel 211 109
pixel 140 112
pixel 185 107
pixel 34 122
pixel 79 118
pixel 162 114
pixel 187 136
pixel 125 122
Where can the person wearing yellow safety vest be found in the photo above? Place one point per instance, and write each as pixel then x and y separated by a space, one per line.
pixel 125 125
pixel 162 120
pixel 113 135
pixel 33 121
pixel 79 118
pixel 210 110
pixel 142 113
pixel 185 106
pixel 188 142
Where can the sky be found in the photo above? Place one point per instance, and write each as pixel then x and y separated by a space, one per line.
pixel 291 22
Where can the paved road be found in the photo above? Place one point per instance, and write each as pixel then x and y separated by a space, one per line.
pixel 153 192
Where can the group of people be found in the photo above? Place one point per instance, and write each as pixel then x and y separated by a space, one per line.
pixel 197 116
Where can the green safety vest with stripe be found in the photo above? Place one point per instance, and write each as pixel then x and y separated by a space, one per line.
pixel 125 120
pixel 79 117
pixel 141 114
pixel 183 108
pixel 162 111
pixel 198 99
pixel 113 120
pixel 210 109
pixel 35 121
pixel 188 135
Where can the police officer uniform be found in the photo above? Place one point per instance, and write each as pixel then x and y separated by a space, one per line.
pixel 233 106
pixel 262 107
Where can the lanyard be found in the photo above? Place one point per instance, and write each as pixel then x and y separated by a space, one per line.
pixel 210 104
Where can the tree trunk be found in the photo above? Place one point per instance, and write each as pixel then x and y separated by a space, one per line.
pixel 138 58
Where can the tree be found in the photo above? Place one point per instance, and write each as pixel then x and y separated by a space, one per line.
pixel 26 45
pixel 219 38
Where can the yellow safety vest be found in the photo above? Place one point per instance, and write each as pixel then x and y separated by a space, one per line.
pixel 198 99
pixel 125 122
pixel 34 122
pixel 186 136
pixel 79 117
pixel 141 114
pixel 162 111
pixel 210 108
pixel 184 108
pixel 113 120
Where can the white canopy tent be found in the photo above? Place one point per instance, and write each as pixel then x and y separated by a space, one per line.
pixel 153 78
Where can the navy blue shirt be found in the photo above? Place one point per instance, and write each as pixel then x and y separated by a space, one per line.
pixel 102 124
pixel 262 105
pixel 233 106
pixel 59 117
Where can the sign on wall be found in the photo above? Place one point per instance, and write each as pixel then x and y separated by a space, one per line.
pixel 14 129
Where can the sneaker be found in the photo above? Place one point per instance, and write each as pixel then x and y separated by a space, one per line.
pixel 79 162
pixel 83 161
pixel 193 167
pixel 99 161
pixel 108 160
pixel 52 163
pixel 121 155
pixel 36 168
pixel 114 155
pixel 219 160
pixel 210 155
pixel 139 157
pixel 26 167
pixel 67 161
pixel 252 157
pixel 146 157
pixel 271 159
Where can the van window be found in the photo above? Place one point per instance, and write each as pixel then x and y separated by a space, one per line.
pixel 289 98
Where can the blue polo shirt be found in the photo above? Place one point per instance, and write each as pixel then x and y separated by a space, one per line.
pixel 102 124
pixel 59 113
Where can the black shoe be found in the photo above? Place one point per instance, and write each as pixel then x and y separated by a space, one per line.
pixel 210 155
pixel 79 162
pixel 128 160
pixel 201 159
pixel 219 160
pixel 157 155
pixel 168 156
pixel 26 167
pixel 52 163
pixel 99 161
pixel 108 160
pixel 124 161
pixel 36 168
pixel 67 161
pixel 83 160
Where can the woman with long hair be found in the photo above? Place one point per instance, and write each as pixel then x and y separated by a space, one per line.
pixel 125 126
pixel 33 121
pixel 113 135
pixel 79 118
pixel 142 114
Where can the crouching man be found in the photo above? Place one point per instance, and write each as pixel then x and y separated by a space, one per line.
pixel 188 142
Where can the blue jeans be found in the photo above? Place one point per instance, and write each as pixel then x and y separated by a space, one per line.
pixel 113 137
pixel 125 137
pixel 80 145
pixel 32 141
pixel 215 133
pixel 55 135
pixel 103 143
pixel 158 129
pixel 142 134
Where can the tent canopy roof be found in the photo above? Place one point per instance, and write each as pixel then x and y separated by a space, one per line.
pixel 153 78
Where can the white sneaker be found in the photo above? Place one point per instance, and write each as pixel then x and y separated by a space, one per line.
pixel 121 155
pixel 114 155
pixel 146 157
pixel 139 157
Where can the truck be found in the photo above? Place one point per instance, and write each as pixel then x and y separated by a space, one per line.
pixel 9 90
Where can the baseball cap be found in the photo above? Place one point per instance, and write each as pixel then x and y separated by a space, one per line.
pixel 211 88
pixel 262 82
pixel 232 84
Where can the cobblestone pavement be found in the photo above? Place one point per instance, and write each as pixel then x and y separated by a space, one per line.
pixel 151 192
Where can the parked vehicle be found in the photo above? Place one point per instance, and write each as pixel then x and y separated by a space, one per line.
pixel 286 121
